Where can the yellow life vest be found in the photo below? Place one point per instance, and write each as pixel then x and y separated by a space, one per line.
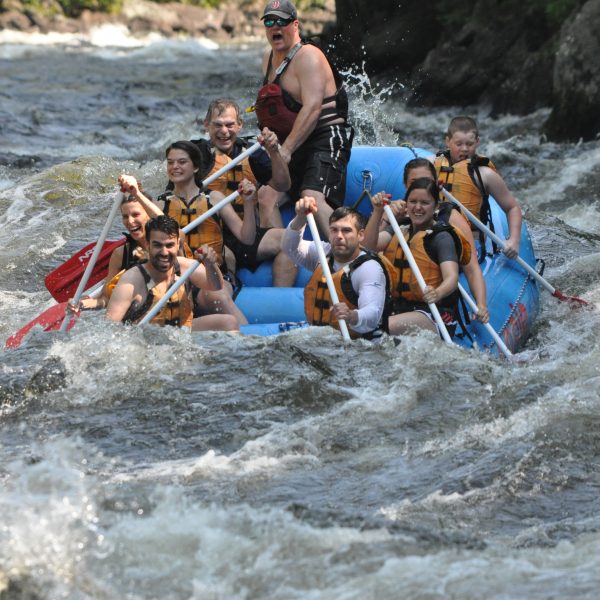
pixel 178 311
pixel 209 232
pixel 463 180
pixel 405 285
pixel 317 300
pixel 229 182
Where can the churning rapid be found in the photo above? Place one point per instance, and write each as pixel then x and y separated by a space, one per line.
pixel 151 463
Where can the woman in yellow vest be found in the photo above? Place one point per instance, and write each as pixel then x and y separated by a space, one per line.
pixel 136 211
pixel 438 248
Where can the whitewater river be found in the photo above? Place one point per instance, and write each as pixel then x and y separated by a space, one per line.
pixel 148 463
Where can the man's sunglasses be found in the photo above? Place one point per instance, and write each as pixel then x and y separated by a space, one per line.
pixel 280 22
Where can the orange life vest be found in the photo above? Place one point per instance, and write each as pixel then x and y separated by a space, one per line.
pixel 209 232
pixel 317 300
pixel 463 180
pixel 229 182
pixel 178 311
pixel 405 285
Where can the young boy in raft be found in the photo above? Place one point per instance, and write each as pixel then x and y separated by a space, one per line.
pixel 472 178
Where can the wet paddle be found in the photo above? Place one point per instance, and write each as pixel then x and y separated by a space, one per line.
pixel 50 320
pixel 415 269
pixel 543 282
pixel 326 271
pixel 62 282
pixel 158 306
pixel 118 198
pixel 501 345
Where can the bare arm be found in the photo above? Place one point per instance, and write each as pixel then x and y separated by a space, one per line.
pixel 496 187
pixel 449 270
pixel 122 297
pixel 130 185
pixel 374 238
pixel 472 270
pixel 207 276
pixel 114 266
pixel 312 72
pixel 244 230
pixel 280 174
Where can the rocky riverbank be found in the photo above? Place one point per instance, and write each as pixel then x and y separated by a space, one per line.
pixel 234 21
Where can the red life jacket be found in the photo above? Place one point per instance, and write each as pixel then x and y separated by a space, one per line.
pixel 277 109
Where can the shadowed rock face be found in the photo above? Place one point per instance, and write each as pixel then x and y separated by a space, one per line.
pixel 507 56
pixel 503 54
pixel 392 39
pixel 575 112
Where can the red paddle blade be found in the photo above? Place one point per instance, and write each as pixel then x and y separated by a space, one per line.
pixel 63 281
pixel 574 300
pixel 51 320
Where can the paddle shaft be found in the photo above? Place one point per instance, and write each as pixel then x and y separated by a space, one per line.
pixel 498 241
pixel 210 212
pixel 489 328
pixel 92 262
pixel 158 306
pixel 327 272
pixel 415 269
pixel 234 161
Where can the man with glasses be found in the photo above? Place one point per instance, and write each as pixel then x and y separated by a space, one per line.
pixel 304 102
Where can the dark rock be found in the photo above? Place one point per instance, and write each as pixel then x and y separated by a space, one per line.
pixel 498 58
pixel 575 111
pixel 390 39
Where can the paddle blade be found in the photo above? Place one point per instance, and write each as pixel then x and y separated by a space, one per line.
pixel 63 281
pixel 574 300
pixel 50 320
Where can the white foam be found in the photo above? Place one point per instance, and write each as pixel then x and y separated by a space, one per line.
pixel 106 40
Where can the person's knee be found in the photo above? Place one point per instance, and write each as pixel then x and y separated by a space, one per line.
pixel 270 245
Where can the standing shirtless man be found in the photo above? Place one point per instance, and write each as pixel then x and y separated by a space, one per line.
pixel 304 102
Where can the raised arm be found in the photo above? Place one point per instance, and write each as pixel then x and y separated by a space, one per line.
pixel 130 185
pixel 207 276
pixel 376 238
pixel 243 229
pixel 280 174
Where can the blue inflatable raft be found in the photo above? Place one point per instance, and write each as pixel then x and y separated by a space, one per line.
pixel 513 296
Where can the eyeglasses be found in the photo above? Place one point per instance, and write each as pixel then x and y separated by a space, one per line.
pixel 280 22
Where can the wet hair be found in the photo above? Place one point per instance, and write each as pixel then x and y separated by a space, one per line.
pixel 162 223
pixel 424 183
pixel 220 105
pixel 345 211
pixel 189 148
pixel 417 163
pixel 463 124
